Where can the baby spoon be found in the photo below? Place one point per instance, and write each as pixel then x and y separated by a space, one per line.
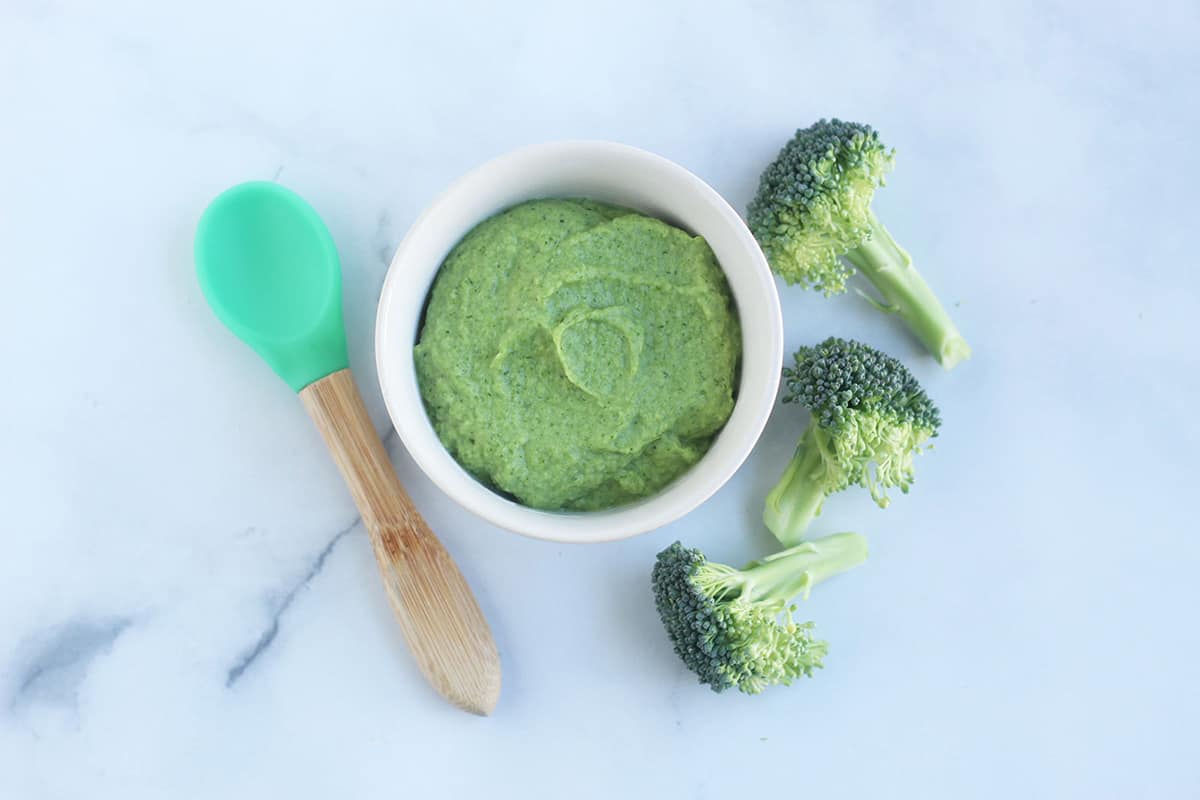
pixel 269 269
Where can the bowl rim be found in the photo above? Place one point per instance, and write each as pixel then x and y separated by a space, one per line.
pixel 406 408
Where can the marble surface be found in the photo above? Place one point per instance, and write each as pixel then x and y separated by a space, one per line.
pixel 189 609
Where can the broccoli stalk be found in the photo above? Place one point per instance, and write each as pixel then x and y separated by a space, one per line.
pixel 870 418
pixel 734 628
pixel 813 206
pixel 906 294
pixel 798 496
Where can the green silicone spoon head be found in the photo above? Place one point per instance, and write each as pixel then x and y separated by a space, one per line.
pixel 269 269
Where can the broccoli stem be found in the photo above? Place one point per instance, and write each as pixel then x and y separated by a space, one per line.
pixel 889 267
pixel 795 571
pixel 796 499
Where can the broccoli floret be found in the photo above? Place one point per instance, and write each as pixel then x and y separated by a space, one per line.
pixel 869 418
pixel 734 628
pixel 814 205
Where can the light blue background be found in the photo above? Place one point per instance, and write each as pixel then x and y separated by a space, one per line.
pixel 1026 624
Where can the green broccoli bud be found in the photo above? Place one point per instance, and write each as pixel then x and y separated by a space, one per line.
pixel 814 205
pixel 734 628
pixel 870 418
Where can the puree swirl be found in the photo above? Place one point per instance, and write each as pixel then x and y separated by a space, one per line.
pixel 578 355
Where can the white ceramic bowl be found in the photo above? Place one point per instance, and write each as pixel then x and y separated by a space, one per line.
pixel 603 171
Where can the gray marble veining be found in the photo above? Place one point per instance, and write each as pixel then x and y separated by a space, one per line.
pixel 59 658
pixel 280 606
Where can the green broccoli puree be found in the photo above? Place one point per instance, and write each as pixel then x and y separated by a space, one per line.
pixel 578 355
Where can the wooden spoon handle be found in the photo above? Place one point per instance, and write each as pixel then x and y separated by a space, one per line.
pixel 441 621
